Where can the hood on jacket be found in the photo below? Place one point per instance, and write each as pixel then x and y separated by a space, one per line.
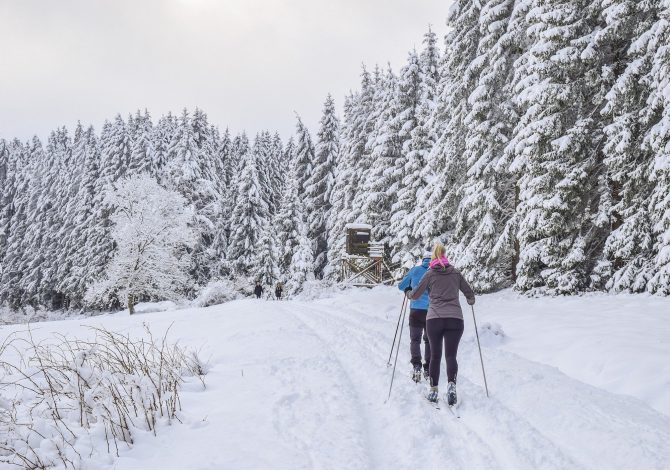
pixel 442 269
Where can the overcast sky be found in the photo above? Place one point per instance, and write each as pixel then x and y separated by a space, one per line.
pixel 248 63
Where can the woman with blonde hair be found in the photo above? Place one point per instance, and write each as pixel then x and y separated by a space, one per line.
pixel 444 322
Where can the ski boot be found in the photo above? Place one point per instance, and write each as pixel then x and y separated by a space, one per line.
pixel 416 374
pixel 451 394
pixel 432 396
pixel 426 375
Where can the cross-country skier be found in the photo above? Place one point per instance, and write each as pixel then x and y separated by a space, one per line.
pixel 278 290
pixel 444 321
pixel 258 290
pixel 417 318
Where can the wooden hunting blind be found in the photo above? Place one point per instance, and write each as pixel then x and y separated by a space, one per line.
pixel 364 264
pixel 358 239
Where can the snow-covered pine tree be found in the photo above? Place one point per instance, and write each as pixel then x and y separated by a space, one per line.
pixel 266 256
pixel 54 198
pixel 436 203
pixel 224 156
pixel 32 266
pixel 99 245
pixel 293 246
pixel 658 139
pixel 319 185
pixel 384 148
pixel 265 252
pixel 288 157
pixel 262 150
pixel 484 251
pixel 356 137
pixel 71 234
pixel 304 154
pixel 285 223
pixel 14 220
pixel 341 195
pixel 624 39
pixel 7 190
pixel 430 63
pixel 190 171
pixel 556 150
pixel 160 145
pixel 278 169
pixel 141 151
pixel 227 191
pixel 249 218
pixel 407 168
pixel 239 150
pixel 75 284
pixel 116 148
pixel 423 136
pixel 221 145
pixel 301 269
pixel 152 232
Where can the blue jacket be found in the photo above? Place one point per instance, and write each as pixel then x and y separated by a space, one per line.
pixel 412 279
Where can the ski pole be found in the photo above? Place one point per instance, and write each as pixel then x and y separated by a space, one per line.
pixel 397 350
pixel 404 300
pixel 480 350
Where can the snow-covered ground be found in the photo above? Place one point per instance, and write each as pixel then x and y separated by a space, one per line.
pixel 580 382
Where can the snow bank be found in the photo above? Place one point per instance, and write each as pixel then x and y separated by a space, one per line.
pixel 616 342
pixel 163 306
pixel 217 292
pixel 312 290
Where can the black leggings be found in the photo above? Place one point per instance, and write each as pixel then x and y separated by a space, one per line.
pixel 450 331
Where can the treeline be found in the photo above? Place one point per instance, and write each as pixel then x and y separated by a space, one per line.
pixel 535 143
pixel 247 196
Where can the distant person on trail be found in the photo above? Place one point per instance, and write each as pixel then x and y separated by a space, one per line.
pixel 417 318
pixel 258 290
pixel 278 290
pixel 444 321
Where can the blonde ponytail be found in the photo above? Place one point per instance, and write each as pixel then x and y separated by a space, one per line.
pixel 438 250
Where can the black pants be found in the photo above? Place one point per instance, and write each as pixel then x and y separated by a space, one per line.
pixel 417 329
pixel 450 331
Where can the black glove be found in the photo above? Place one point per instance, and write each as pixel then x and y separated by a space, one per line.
pixel 408 292
pixel 408 288
pixel 471 301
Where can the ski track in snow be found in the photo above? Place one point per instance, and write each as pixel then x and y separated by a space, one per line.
pixel 335 423
pixel 502 440
pixel 303 385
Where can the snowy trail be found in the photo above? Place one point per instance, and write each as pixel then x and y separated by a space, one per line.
pixel 303 384
pixel 505 441
pixel 537 416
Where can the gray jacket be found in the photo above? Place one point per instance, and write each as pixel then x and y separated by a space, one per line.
pixel 443 284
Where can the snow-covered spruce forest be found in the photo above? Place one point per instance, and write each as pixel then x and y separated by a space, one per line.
pixel 535 142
